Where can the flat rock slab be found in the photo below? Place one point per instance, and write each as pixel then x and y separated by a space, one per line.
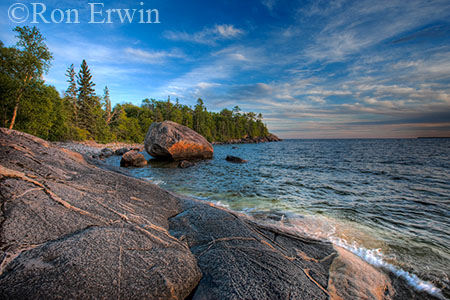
pixel 244 260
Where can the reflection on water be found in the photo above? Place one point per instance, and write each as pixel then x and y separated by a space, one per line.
pixel 391 195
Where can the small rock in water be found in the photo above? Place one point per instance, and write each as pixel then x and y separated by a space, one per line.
pixel 185 164
pixel 235 159
pixel 133 159
pixel 121 151
pixel 106 152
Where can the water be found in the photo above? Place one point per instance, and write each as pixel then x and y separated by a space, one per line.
pixel 387 201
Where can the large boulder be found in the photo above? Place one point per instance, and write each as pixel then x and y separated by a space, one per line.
pixel 170 140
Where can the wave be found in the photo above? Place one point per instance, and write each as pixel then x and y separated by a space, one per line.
pixel 376 258
pixel 327 229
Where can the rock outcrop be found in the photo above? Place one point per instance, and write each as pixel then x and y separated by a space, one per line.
pixel 133 159
pixel 72 230
pixel 170 140
pixel 241 259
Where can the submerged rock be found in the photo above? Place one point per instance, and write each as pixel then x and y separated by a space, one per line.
pixel 185 164
pixel 171 140
pixel 133 159
pixel 235 159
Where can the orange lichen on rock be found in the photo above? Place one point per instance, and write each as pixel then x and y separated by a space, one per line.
pixel 182 148
pixel 170 140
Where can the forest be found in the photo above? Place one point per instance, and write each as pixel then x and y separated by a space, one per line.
pixel 30 105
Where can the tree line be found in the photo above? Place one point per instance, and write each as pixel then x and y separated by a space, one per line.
pixel 30 105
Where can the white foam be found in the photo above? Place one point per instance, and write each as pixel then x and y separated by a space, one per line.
pixel 221 204
pixel 158 182
pixel 376 258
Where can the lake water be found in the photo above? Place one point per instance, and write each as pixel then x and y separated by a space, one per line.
pixel 386 200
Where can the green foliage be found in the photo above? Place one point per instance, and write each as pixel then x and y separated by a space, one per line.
pixel 132 122
pixel 21 67
pixel 34 55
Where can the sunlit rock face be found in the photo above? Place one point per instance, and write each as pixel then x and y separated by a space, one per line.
pixel 170 140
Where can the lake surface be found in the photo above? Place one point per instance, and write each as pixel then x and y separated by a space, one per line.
pixel 386 200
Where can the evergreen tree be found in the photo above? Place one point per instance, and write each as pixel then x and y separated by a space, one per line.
pixel 109 114
pixel 71 93
pixel 87 101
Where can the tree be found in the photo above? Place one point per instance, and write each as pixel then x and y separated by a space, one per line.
pixel 109 114
pixel 32 60
pixel 8 83
pixel 87 100
pixel 71 93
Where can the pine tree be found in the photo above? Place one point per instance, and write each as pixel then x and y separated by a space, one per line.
pixel 71 93
pixel 87 100
pixel 109 114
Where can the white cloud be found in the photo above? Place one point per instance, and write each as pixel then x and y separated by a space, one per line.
pixel 207 36
pixel 206 85
pixel 365 23
pixel 151 56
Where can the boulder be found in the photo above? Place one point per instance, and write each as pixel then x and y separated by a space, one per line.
pixel 170 140
pixel 133 159
pixel 121 151
pixel 235 159
pixel 106 152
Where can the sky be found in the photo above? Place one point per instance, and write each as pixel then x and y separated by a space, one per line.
pixel 314 69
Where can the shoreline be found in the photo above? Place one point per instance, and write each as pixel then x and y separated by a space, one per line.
pixel 92 148
pixel 206 230
pixel 408 279
pixel 267 139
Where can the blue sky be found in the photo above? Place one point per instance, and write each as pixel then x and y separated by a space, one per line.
pixel 314 69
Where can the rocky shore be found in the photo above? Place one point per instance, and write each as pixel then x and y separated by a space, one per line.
pixel 94 150
pixel 248 140
pixel 72 229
